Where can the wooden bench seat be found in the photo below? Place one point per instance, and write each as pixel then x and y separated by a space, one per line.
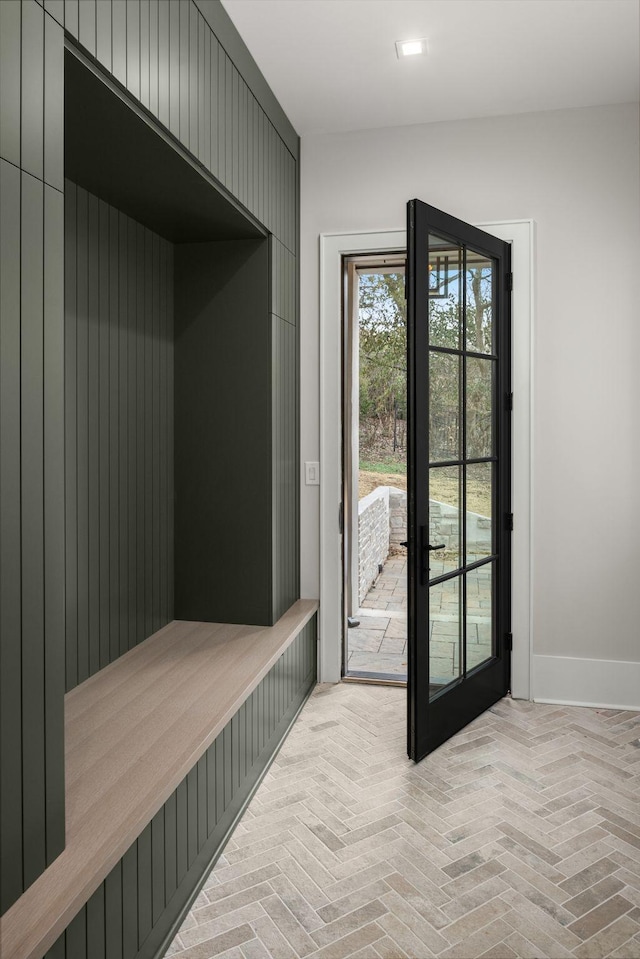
pixel 132 733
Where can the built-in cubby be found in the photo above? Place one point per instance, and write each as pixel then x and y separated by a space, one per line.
pixel 168 386
pixel 149 458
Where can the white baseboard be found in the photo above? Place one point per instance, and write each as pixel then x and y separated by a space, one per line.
pixel 606 683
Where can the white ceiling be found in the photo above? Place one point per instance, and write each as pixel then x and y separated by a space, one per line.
pixel 332 63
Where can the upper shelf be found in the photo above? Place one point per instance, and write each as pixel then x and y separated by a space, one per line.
pixel 115 150
pixel 132 733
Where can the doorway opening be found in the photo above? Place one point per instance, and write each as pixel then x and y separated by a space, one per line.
pixel 375 469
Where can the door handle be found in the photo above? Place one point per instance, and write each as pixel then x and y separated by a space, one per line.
pixel 425 549
pixel 424 555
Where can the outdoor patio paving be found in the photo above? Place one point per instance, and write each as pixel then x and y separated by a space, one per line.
pixel 379 644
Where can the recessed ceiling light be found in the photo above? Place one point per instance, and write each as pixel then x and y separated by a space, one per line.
pixel 411 48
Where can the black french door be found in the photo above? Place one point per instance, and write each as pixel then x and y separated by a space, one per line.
pixel 459 468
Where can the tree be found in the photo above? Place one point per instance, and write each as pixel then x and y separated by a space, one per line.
pixel 383 345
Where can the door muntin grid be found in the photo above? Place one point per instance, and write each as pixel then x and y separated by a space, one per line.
pixel 462 361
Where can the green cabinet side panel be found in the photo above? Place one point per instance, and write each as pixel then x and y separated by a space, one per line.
pixel 139 907
pixel 285 455
pixel 223 438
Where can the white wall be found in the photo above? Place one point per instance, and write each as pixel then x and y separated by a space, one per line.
pixel 576 173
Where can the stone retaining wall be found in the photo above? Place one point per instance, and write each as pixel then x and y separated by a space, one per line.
pixel 382 523
pixel 397 515
pixel 373 538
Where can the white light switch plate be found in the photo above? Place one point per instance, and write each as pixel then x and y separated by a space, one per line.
pixel 312 474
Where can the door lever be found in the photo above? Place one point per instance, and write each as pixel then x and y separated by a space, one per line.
pixel 441 546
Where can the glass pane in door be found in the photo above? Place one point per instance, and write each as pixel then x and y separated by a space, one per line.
pixel 445 635
pixel 479 407
pixel 444 407
pixel 445 527
pixel 479 511
pixel 445 296
pixel 479 615
pixel 479 289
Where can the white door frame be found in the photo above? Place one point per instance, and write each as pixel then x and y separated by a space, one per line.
pixel 333 246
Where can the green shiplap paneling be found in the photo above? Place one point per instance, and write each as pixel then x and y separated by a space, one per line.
pixel 32 89
pixel 158 864
pixel 174 69
pixel 170 847
pixel 104 34
pixel 145 885
pixel 184 61
pixel 130 902
pixel 87 25
pixel 133 47
pixel 104 436
pixel 11 827
pixel 91 440
pixel 283 274
pixel 113 442
pixel 154 14
pixel 96 924
pixel 123 439
pixel 163 63
pixel 223 28
pixel 118 321
pixel 167 56
pixel 192 816
pixel 10 32
pixel 118 39
pixel 164 52
pixel 145 53
pixel 53 104
pixel 285 493
pixel 81 428
pixel 72 15
pixel 193 59
pixel 32 524
pixel 76 937
pixel 113 913
pixel 148 892
pixel 55 8
pixel 71 476
pixel 54 512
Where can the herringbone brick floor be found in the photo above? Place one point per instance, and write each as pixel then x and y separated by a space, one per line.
pixel 519 837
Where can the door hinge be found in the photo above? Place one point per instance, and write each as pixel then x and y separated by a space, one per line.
pixel 508 282
pixel 341 519
pixel 508 402
pixel 509 521
pixel 508 641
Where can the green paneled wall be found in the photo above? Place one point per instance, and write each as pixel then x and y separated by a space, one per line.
pixel 31 446
pixel 118 433
pixel 138 907
pixel 206 91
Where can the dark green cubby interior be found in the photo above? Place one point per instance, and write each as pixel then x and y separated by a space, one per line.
pixel 169 387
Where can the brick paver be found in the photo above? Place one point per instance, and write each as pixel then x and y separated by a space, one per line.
pixel 378 646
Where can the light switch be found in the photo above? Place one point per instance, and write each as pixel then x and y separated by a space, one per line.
pixel 312 474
